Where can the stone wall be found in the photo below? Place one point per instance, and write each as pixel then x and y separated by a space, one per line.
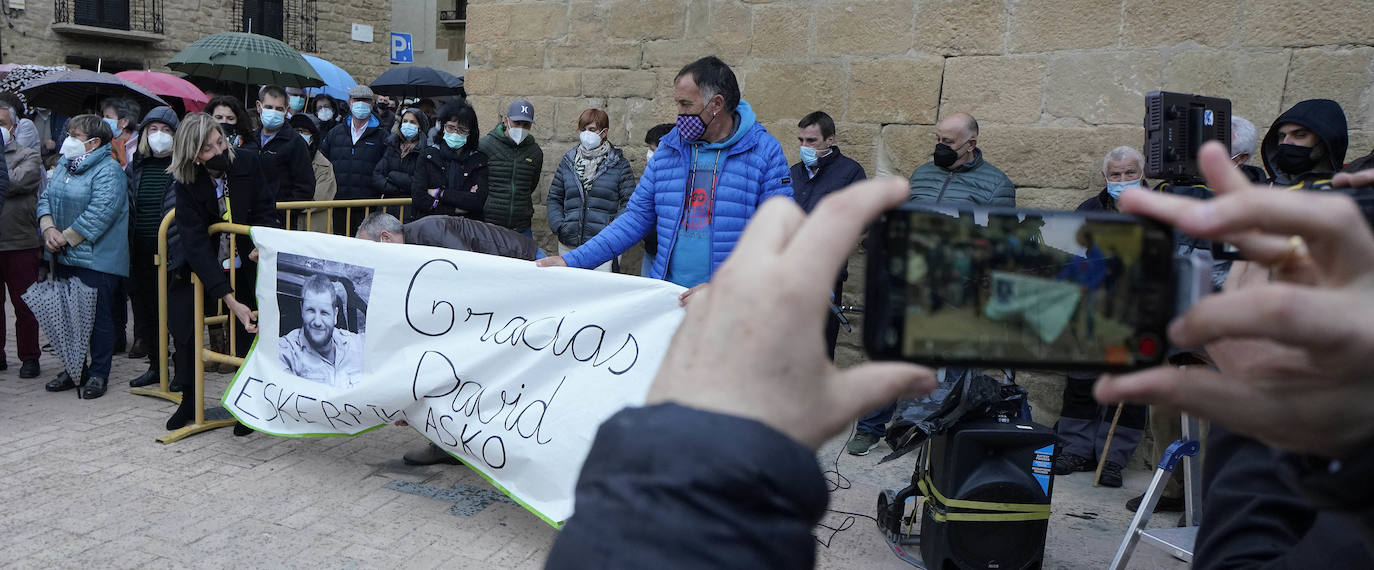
pixel 29 38
pixel 1054 83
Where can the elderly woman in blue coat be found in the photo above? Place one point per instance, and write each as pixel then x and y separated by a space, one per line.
pixel 84 217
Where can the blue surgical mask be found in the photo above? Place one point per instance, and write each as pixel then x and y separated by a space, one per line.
pixel 272 119
pixel 305 136
pixel 809 156
pixel 296 102
pixel 114 126
pixel 1116 188
pixel 409 130
pixel 455 141
pixel 361 109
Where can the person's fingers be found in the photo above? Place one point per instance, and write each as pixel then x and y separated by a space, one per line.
pixel 1354 179
pixel 768 232
pixel 691 293
pixel 1196 390
pixel 555 261
pixel 869 386
pixel 1290 314
pixel 1223 176
pixel 829 234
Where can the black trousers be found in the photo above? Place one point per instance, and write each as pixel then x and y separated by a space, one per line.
pixel 143 290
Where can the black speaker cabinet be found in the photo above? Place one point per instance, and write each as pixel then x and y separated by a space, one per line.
pixel 990 462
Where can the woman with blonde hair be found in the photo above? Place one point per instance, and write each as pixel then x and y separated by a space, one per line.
pixel 213 182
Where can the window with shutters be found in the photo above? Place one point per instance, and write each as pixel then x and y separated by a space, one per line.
pixel 291 21
pixel 132 20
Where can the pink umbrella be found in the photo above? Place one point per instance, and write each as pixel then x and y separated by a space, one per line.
pixel 168 85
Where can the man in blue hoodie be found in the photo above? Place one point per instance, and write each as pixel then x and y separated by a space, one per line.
pixel 708 177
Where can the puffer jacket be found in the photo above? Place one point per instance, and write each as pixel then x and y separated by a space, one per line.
pixel 753 170
pixel 460 177
pixel 575 214
pixel 463 234
pixel 354 163
pixel 974 182
pixel 394 175
pixel 515 171
pixel 250 202
pixel 91 207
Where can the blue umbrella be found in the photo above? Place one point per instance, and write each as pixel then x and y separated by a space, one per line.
pixel 336 80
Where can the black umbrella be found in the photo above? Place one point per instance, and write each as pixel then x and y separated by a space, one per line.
pixel 69 92
pixel 416 81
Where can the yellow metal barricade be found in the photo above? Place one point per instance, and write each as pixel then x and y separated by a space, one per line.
pixel 296 216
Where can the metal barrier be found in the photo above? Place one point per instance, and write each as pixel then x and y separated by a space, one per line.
pixel 303 215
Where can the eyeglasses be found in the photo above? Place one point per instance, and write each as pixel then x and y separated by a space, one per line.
pixel 456 129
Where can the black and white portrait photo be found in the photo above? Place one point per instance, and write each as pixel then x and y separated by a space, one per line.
pixel 323 308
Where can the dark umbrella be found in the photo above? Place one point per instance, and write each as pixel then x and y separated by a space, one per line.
pixel 416 81
pixel 65 309
pixel 250 59
pixel 69 91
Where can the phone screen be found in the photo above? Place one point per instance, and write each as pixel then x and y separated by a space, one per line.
pixel 1005 286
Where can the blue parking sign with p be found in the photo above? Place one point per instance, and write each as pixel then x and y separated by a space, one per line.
pixel 401 49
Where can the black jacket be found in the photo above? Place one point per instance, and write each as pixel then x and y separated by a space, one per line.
pixel 354 163
pixel 836 172
pixel 395 174
pixel 463 234
pixel 460 178
pixel 1321 116
pixel 250 202
pixel 286 164
pixel 1253 518
pixel 673 487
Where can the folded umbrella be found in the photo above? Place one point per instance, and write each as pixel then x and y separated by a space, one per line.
pixel 168 85
pixel 415 81
pixel 70 92
pixel 250 59
pixel 65 309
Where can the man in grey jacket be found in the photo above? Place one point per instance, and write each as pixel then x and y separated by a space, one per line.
pixel 957 171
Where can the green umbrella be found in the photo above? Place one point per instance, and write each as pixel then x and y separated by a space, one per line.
pixel 250 59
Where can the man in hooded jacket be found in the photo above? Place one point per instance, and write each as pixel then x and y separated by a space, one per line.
pixel 1306 144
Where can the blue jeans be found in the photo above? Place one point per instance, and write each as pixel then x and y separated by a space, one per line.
pixel 103 333
pixel 646 265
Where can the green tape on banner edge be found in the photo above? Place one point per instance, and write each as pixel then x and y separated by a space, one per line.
pixel 224 401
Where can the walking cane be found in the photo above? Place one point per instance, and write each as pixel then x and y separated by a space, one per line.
pixel 1102 459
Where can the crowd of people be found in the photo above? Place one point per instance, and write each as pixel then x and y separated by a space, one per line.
pixel 92 204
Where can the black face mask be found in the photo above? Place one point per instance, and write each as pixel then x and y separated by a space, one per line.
pixel 1294 160
pixel 229 129
pixel 219 162
pixel 944 155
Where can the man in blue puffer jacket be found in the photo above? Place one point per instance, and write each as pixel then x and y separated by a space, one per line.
pixel 708 177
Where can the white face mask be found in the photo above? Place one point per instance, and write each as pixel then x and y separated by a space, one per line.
pixel 325 114
pixel 590 140
pixel 648 155
pixel 73 148
pixel 517 134
pixel 160 142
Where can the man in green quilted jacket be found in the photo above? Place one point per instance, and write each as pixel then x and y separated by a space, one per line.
pixel 514 162
pixel 957 172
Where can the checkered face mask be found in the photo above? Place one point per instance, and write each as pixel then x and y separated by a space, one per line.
pixel 690 127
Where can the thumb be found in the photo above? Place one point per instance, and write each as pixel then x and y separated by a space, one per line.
pixel 863 388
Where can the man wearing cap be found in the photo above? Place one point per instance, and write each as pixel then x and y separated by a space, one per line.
pixel 354 148
pixel 514 161
pixel 285 157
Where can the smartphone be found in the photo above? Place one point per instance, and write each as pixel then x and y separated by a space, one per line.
pixel 1009 287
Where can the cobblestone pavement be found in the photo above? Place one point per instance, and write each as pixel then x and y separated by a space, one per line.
pixel 86 485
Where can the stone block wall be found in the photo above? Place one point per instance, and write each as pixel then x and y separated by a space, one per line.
pixel 1054 83
pixel 29 38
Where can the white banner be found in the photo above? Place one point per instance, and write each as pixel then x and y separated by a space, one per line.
pixel 509 367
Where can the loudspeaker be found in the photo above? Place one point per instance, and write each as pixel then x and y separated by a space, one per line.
pixel 988 462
